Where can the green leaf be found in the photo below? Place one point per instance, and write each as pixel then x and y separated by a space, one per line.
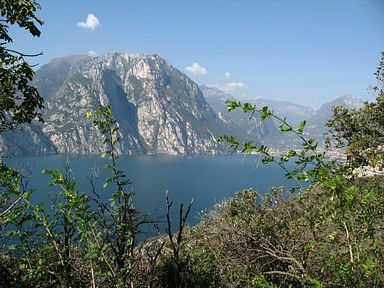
pixel 368 196
pixel 248 108
pixel 301 128
pixel 350 193
pixel 268 159
pixel 332 236
pixel 232 141
pixel 249 147
pixel 232 105
pixel 265 113
pixel 284 127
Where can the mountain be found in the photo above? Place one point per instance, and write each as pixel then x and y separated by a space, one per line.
pixel 28 140
pixel 158 108
pixel 269 133
pixel 316 124
pixel 294 114
pixel 249 128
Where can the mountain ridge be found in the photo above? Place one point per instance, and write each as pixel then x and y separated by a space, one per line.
pixel 159 109
pixel 294 114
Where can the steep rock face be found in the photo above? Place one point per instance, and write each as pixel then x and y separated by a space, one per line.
pixel 158 108
pixel 28 140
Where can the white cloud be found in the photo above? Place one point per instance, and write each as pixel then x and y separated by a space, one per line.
pixel 195 68
pixel 92 53
pixel 227 75
pixel 91 23
pixel 234 85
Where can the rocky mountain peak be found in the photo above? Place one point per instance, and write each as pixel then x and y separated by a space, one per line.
pixel 350 102
pixel 158 108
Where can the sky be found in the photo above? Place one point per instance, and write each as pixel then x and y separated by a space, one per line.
pixel 304 51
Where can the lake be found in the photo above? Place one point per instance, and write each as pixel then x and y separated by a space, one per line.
pixel 205 179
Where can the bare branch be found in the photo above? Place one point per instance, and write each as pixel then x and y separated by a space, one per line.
pixel 22 54
pixel 283 273
pixel 11 206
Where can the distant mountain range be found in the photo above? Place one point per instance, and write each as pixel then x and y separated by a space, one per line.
pixel 158 108
pixel 316 123
pixel 294 113
pixel 250 128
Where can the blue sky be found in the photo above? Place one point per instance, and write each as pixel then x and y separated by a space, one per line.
pixel 304 51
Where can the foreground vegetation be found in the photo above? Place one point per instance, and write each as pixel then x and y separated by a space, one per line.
pixel 329 233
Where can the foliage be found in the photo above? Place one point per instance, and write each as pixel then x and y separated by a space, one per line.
pixel 310 167
pixel 362 130
pixel 334 237
pixel 118 223
pixel 328 235
pixel 81 240
pixel 12 191
pixel 297 243
pixel 19 101
pixel 174 270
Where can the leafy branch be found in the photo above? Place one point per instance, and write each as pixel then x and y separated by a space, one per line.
pixel 310 163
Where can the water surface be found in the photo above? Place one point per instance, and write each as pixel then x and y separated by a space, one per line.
pixel 205 179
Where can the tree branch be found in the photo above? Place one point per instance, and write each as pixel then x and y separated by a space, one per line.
pixel 22 54
pixel 283 273
pixel 11 206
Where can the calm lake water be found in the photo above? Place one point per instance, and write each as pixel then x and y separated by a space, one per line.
pixel 205 179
